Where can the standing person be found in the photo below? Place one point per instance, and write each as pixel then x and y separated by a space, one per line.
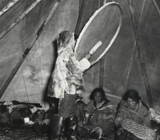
pixel 100 115
pixel 133 118
pixel 66 81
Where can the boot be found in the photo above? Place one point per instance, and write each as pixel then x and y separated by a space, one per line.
pixel 57 127
pixel 71 127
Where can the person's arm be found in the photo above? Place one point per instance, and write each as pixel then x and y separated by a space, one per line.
pixel 107 122
pixel 79 66
pixel 110 114
pixel 121 113
pixel 119 117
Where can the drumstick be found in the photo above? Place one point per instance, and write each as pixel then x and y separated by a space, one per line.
pixel 98 44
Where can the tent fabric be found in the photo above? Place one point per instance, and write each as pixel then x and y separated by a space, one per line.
pixel 122 66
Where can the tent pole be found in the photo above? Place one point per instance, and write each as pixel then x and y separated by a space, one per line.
pixel 102 61
pixel 8 6
pixel 17 20
pixel 82 7
pixel 140 56
pixel 15 69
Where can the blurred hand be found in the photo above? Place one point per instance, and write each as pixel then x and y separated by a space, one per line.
pixel 154 115
pixel 33 109
pixel 86 116
pixel 10 108
pixel 157 119
pixel 152 112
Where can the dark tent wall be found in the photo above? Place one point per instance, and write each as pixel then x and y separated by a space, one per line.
pixel 123 68
pixel 150 48
pixel 131 62
pixel 144 69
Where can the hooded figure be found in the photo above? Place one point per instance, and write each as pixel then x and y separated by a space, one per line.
pixel 67 77
pixel 66 82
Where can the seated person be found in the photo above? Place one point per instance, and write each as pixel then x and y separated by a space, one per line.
pixel 80 105
pixel 42 118
pixel 133 118
pixel 13 113
pixel 99 116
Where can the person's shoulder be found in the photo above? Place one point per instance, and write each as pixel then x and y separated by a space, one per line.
pixel 109 104
pixel 122 104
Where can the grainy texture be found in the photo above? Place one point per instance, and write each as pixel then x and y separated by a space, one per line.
pixel 12 132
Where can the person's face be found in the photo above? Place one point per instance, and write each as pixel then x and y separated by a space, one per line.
pixel 132 104
pixel 97 97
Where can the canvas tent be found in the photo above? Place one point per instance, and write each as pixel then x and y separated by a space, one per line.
pixel 27 52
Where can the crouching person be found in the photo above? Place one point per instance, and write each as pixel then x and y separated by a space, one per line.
pixel 99 117
pixel 42 118
pixel 133 119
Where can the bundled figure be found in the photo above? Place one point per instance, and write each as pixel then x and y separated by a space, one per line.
pixel 67 76
pixel 67 80
pixel 99 117
pixel 133 119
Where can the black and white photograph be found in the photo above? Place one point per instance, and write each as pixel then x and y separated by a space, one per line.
pixel 79 69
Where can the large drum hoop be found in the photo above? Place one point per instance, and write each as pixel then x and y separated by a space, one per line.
pixel 114 36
